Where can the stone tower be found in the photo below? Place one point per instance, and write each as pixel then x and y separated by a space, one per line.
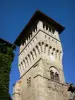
pixel 40 61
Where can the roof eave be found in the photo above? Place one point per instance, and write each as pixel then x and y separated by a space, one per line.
pixel 34 18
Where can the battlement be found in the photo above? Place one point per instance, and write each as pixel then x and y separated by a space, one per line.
pixel 34 24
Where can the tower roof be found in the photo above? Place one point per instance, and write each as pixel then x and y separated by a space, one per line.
pixel 38 15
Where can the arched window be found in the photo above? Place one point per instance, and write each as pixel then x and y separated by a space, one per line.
pixel 54 74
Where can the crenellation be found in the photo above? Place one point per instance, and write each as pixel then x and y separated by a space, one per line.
pixel 44 28
pixel 47 29
pixel 33 33
pixel 56 35
pixel 26 41
pixel 39 25
pixel 21 48
pixel 30 36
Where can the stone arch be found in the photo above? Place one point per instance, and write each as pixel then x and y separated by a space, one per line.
pixel 37 49
pixel 24 63
pixel 34 52
pixel 40 46
pixel 27 60
pixel 29 57
pixel 45 45
pixel 53 67
pixel 49 50
pixel 32 55
pixel 21 67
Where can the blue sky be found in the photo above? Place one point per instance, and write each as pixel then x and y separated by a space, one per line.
pixel 15 14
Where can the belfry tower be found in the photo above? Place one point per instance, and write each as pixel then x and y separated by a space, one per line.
pixel 40 61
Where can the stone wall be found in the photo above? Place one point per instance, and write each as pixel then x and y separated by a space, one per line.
pixel 37 84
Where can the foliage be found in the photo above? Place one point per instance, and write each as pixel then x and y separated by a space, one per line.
pixel 6 58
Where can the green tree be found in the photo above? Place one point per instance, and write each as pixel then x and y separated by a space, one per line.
pixel 6 58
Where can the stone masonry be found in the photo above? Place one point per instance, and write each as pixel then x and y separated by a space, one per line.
pixel 40 62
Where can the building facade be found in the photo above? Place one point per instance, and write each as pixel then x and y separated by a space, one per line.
pixel 40 61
